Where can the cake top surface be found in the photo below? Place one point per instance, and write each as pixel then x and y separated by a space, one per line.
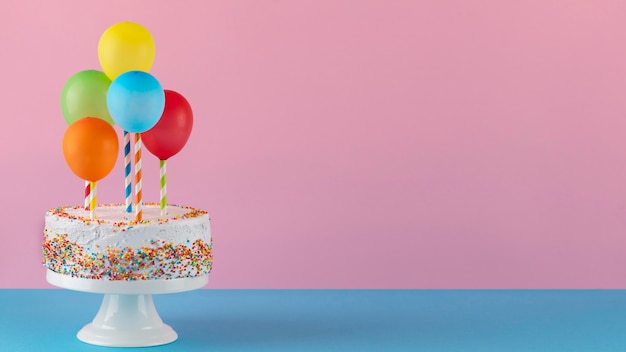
pixel 115 214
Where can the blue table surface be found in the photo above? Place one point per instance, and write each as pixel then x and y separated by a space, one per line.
pixel 337 320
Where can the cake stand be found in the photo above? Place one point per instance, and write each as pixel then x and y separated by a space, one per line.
pixel 127 316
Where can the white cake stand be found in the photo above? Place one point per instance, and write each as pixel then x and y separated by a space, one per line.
pixel 127 316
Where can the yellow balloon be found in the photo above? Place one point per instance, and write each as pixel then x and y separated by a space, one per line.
pixel 125 46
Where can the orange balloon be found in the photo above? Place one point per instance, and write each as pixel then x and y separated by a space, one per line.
pixel 90 147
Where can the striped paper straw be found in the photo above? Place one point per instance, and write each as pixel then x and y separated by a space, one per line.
pixel 163 189
pixel 87 194
pixel 128 183
pixel 92 201
pixel 138 198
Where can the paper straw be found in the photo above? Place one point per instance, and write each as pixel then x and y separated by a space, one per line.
pixel 92 201
pixel 87 194
pixel 138 199
pixel 128 183
pixel 163 189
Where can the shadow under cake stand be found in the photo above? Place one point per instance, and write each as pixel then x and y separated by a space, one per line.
pixel 127 316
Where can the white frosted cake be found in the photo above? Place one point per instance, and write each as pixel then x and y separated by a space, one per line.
pixel 116 247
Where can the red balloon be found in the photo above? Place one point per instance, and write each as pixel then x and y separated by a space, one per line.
pixel 172 131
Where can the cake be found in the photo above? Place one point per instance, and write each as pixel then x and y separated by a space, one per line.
pixel 134 249
pixel 133 241
pixel 115 246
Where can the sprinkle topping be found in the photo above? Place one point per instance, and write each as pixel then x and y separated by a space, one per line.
pixel 103 251
pixel 159 260
pixel 151 214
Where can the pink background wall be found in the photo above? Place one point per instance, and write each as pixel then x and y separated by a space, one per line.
pixel 361 144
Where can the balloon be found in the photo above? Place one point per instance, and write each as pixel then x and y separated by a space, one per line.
pixel 85 95
pixel 172 131
pixel 136 100
pixel 90 148
pixel 125 46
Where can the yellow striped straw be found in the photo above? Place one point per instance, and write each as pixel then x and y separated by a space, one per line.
pixel 92 201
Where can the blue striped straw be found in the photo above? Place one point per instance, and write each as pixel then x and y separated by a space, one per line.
pixel 127 178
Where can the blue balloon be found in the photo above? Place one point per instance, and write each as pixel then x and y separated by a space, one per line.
pixel 136 101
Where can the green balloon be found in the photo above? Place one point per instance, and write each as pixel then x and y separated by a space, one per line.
pixel 85 95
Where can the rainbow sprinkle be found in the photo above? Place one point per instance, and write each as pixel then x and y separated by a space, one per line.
pixel 159 261
pixel 62 212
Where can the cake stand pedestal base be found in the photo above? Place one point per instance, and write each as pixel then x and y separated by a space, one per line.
pixel 127 316
pixel 127 321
